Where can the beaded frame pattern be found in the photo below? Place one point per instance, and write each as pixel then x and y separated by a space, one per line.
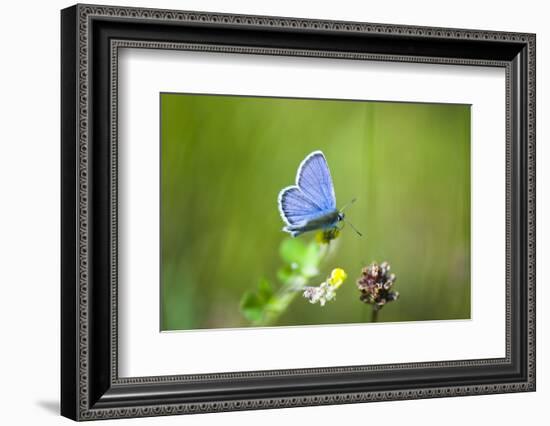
pixel 86 12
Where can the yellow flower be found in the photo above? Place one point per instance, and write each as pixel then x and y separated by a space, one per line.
pixel 337 277
pixel 326 236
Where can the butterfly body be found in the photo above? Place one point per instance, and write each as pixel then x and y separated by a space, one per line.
pixel 310 204
pixel 324 221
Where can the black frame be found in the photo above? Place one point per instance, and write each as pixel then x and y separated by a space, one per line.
pixel 90 38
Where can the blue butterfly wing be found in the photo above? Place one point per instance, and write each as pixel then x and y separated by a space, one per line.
pixel 314 180
pixel 296 207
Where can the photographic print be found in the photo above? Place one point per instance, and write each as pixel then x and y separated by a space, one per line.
pixel 300 212
pixel 260 183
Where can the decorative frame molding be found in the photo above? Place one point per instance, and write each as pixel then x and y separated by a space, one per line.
pixel 91 37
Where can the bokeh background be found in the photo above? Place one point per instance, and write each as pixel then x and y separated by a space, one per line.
pixel 225 159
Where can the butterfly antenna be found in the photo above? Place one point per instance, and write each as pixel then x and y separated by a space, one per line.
pixel 354 228
pixel 348 204
pixel 351 224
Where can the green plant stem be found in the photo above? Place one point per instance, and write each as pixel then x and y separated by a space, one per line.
pixel 364 314
pixel 285 297
pixel 287 294
pixel 374 316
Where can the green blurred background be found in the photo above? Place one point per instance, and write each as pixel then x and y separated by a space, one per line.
pixel 224 160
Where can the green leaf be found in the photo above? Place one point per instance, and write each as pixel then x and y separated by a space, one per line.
pixel 285 274
pixel 252 307
pixel 253 304
pixel 293 251
pixel 265 291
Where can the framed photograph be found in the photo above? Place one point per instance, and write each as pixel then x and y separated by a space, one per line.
pixel 263 212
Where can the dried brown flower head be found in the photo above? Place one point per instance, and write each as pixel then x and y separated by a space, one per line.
pixel 375 285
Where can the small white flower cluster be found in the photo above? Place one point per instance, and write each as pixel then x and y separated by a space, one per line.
pixel 326 291
pixel 322 294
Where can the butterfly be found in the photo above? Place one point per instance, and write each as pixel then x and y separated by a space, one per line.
pixel 311 204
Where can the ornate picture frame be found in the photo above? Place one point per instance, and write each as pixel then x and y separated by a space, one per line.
pixel 91 37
